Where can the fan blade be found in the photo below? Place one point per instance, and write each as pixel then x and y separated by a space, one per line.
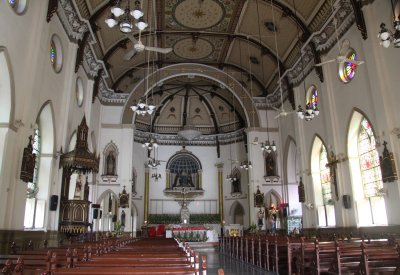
pixel 128 56
pixel 160 50
pixel 325 62
pixel 357 62
pixel 132 38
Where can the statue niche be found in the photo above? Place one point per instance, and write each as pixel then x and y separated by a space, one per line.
pixel 183 179
pixel 110 163
pixel 183 173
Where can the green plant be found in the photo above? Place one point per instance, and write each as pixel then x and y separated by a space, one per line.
pixel 117 228
pixel 253 228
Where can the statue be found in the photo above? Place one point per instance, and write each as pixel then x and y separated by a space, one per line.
pixel 183 179
pixel 273 215
pixel 236 185
pixel 260 218
pixel 270 165
pixel 78 187
pixel 110 164
pixel 123 218
pixel 86 192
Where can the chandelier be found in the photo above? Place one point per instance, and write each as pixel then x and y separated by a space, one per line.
pixel 189 132
pixel 266 146
pixel 150 143
pixel 386 36
pixel 231 178
pixel 142 108
pixel 153 163
pixel 156 176
pixel 309 113
pixel 124 18
pixel 246 165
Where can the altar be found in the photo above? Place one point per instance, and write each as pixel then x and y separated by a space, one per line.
pixel 193 233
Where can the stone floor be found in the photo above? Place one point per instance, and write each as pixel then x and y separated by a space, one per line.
pixel 231 266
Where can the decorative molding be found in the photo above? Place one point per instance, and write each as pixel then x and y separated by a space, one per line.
pixel 324 39
pixel 204 140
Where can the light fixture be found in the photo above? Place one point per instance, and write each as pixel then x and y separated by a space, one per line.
pixel 189 132
pixel 142 108
pixel 311 109
pixel 126 23
pixel 246 165
pixel 153 163
pixel 156 176
pixel 150 143
pixel 386 36
pixel 231 178
pixel 266 146
pixel 309 113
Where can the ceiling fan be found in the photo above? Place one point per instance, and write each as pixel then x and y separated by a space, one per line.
pixel 282 112
pixel 154 163
pixel 138 47
pixel 341 58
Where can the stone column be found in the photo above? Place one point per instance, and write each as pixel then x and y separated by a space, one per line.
pixel 146 194
pixel 220 167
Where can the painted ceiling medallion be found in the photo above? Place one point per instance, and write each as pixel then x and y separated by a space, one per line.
pixel 199 15
pixel 187 49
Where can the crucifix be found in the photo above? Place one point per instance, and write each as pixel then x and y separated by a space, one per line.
pixel 332 165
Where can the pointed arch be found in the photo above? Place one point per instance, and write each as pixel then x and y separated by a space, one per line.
pixel 110 159
pixel 322 187
pixel 7 89
pixel 290 176
pixel 38 192
pixel 272 197
pixel 7 108
pixel 237 213
pixel 361 146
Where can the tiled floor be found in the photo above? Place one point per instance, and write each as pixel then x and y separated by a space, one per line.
pixel 231 266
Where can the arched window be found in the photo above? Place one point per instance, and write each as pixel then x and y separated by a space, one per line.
pixel 18 6
pixel 33 186
pixel 322 184
pixel 38 191
pixel 370 168
pixel 365 172
pixel 325 176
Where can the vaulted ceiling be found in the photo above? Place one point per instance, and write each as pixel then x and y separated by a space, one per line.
pixel 253 41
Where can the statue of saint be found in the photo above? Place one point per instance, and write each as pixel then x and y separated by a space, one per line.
pixel 123 218
pixel 236 185
pixel 270 166
pixel 86 192
pixel 78 187
pixel 183 179
pixel 260 218
pixel 110 164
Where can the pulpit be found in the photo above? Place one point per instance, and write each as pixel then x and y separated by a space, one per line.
pixel 76 164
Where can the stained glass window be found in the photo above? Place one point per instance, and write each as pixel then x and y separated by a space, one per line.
pixel 325 176
pixel 12 3
pixel 312 97
pixel 347 70
pixel 369 160
pixel 32 186
pixel 53 53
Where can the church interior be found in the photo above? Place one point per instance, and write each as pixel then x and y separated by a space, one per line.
pixel 240 125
